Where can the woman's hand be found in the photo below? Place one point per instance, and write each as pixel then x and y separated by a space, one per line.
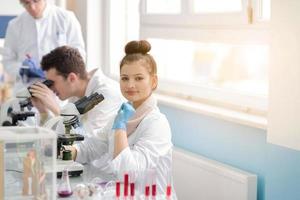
pixel 125 112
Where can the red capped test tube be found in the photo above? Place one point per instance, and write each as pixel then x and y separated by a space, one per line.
pixel 169 184
pixel 153 183
pixel 118 189
pixel 132 184
pixel 126 184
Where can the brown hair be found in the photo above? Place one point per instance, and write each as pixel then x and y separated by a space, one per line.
pixel 65 60
pixel 138 51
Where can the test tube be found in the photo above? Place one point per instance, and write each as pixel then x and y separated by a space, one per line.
pixel 153 183
pixel 169 184
pixel 132 184
pixel 148 183
pixel 147 191
pixel 126 184
pixel 118 193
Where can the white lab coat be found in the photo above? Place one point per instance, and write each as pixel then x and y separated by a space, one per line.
pixel 37 37
pixel 99 116
pixel 150 147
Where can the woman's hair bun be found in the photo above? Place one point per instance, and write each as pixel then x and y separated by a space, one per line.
pixel 141 46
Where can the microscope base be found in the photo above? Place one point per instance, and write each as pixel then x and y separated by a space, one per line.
pixel 74 168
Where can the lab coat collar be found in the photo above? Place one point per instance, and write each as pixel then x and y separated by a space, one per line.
pixel 146 107
pixel 46 11
pixel 96 76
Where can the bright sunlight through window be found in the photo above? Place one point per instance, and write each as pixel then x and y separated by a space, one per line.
pixel 242 68
pixel 197 57
pixel 163 7
pixel 217 6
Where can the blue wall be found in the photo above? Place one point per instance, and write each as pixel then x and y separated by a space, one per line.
pixel 244 147
pixel 3 24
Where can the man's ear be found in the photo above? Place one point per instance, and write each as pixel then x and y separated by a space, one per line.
pixel 72 77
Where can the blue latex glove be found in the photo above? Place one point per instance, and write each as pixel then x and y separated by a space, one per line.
pixel 30 69
pixel 125 112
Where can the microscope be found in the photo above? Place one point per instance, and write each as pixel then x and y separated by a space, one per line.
pixel 72 131
pixel 18 108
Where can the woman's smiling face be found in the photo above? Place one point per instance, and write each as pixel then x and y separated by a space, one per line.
pixel 136 83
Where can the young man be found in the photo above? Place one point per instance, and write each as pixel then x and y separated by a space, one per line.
pixel 34 33
pixel 65 67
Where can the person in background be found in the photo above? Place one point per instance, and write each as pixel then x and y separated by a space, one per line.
pixel 34 33
pixel 5 89
pixel 138 139
pixel 66 68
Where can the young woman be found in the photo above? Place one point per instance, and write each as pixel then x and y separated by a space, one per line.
pixel 139 138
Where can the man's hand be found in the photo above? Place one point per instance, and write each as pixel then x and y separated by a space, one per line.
pixel 43 98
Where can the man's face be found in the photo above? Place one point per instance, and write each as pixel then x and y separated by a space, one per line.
pixel 62 86
pixel 34 7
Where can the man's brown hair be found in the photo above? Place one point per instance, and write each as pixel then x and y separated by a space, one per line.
pixel 65 60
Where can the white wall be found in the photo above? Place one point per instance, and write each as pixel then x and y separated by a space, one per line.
pixel 284 96
pixel 10 7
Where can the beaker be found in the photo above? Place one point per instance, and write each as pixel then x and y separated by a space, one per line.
pixel 64 187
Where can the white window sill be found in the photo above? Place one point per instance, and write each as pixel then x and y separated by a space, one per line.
pixel 238 117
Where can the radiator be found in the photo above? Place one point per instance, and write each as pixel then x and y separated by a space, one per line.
pixel 199 178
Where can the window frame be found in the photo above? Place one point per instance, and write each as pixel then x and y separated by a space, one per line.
pixel 188 18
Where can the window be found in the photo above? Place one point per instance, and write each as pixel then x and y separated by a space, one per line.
pixel 199 12
pixel 214 50
pixel 211 50
pixel 163 6
pixel 227 66
pixel 217 6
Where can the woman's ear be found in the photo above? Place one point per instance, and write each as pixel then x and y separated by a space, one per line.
pixel 154 82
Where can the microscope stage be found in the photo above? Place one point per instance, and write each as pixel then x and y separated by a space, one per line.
pixel 74 168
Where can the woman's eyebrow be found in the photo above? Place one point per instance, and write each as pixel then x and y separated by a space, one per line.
pixel 132 74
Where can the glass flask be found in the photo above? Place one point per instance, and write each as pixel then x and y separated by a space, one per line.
pixel 64 187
